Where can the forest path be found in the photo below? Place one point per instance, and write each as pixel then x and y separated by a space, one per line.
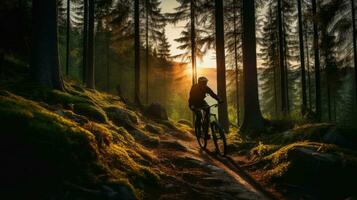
pixel 191 173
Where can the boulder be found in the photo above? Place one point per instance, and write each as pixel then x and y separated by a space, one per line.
pixel 72 116
pixel 334 138
pixel 156 111
pixel 91 112
pixel 153 129
pixel 173 145
pixel 145 139
pixel 185 122
pixel 121 117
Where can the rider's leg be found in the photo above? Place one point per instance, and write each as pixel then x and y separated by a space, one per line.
pixel 207 118
pixel 198 118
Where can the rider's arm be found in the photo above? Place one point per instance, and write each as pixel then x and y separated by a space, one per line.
pixel 212 94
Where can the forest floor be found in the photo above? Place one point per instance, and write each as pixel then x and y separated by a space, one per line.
pixel 196 174
pixel 83 144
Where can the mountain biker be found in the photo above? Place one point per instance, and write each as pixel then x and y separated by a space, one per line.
pixel 197 99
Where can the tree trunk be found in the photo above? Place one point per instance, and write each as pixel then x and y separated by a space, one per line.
pixel 90 83
pixel 108 37
pixel 193 41
pixel 286 68
pixel 137 50
pixel 2 57
pixel 281 61
pixel 354 40
pixel 253 119
pixel 302 60
pixel 329 98
pixel 308 69
pixel 68 35
pixel 85 40
pixel 317 62
pixel 45 62
pixel 236 60
pixel 221 66
pixel 147 51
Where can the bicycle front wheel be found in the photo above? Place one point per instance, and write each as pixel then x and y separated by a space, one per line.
pixel 201 139
pixel 219 138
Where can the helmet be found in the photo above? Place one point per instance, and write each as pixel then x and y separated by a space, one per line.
pixel 202 79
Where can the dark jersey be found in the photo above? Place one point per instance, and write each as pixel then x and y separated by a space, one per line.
pixel 198 94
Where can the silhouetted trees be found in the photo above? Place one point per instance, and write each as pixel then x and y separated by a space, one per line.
pixel 317 61
pixel 253 119
pixel 221 65
pixel 137 50
pixel 45 64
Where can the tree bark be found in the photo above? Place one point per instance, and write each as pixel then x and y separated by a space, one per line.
pixel 308 69
pixel 253 120
pixel 90 83
pixel 2 57
pixel 236 60
pixel 68 39
pixel 108 37
pixel 137 51
pixel 281 61
pixel 354 41
pixel 317 62
pixel 85 40
pixel 286 76
pixel 302 59
pixel 329 98
pixel 147 51
pixel 45 62
pixel 221 66
pixel 193 41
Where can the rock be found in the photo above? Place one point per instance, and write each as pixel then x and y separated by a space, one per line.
pixel 188 162
pixel 311 156
pixel 121 117
pixel 72 116
pixel 91 112
pixel 145 139
pixel 334 138
pixel 156 111
pixel 215 169
pixel 212 182
pixel 153 129
pixel 120 193
pixel 172 144
pixel 185 122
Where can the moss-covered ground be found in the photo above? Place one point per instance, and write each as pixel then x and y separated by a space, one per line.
pixel 311 160
pixel 57 141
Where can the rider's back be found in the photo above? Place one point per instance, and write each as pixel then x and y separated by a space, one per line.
pixel 198 94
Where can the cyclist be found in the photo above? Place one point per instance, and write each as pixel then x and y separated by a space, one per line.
pixel 197 99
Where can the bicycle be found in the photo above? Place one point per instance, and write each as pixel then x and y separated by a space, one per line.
pixel 202 129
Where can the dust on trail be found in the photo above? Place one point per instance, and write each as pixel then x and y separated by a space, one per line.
pixel 191 173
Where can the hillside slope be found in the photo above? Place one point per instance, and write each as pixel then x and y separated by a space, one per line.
pixel 82 144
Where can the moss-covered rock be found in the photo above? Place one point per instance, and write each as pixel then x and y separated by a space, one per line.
pixel 47 149
pixel 185 122
pixel 121 116
pixel 66 99
pixel 91 112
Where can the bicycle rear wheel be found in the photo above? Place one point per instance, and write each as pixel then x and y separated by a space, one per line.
pixel 219 138
pixel 201 139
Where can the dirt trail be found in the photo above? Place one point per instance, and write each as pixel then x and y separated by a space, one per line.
pixel 192 173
